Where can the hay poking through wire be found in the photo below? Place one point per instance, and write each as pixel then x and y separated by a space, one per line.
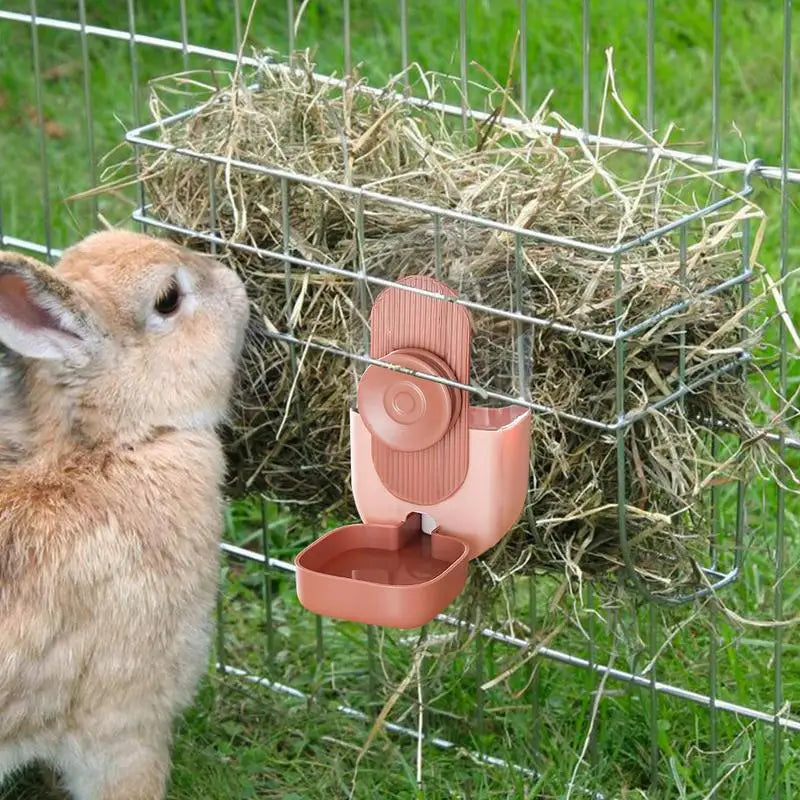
pixel 290 437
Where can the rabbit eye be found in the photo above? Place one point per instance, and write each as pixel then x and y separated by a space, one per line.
pixel 169 301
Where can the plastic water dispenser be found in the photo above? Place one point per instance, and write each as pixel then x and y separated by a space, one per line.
pixel 436 481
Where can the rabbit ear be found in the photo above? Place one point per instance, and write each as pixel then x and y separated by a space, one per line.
pixel 41 315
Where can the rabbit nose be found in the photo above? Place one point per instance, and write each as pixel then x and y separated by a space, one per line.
pixel 234 289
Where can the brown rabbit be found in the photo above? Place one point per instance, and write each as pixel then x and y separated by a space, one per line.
pixel 110 521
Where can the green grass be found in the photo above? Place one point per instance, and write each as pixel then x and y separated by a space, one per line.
pixel 243 741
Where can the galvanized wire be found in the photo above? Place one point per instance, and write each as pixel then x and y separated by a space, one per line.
pixel 134 59
pixel 585 68
pixel 88 111
pixel 462 60
pixel 620 423
pixel 139 136
pixel 404 44
pixel 713 667
pixel 523 55
pixel 134 66
pixel 767 172
pixel 184 34
pixel 783 384
pixel 237 24
pixel 522 324
pixel 651 37
pixel 785 721
pixel 266 578
pixel 43 161
pixel 289 27
pixel 348 55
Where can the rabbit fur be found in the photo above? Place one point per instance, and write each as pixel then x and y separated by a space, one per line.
pixel 13 420
pixel 14 423
pixel 111 507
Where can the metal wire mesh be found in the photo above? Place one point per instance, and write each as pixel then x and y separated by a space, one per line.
pixel 47 233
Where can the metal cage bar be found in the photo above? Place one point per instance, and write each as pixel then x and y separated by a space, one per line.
pixel 620 423
pixel 781 720
pixel 87 101
pixel 780 519
pixel 43 160
pixel 768 172
pixel 523 325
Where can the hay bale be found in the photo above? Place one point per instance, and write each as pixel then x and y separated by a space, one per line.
pixel 290 436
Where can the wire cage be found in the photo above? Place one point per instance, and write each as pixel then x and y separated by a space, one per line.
pixel 668 653
pixel 520 388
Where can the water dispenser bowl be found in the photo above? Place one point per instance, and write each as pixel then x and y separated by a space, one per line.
pixel 391 575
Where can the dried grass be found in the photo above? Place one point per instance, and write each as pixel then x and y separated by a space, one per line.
pixel 289 439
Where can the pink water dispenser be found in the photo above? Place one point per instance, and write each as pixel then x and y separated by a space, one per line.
pixel 436 481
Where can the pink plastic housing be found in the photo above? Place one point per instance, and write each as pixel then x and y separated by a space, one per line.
pixel 489 501
pixel 417 450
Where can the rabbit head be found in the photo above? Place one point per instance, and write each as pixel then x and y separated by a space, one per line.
pixel 126 335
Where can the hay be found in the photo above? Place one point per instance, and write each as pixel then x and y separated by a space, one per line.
pixel 289 439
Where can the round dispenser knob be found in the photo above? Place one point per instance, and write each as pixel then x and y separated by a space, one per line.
pixel 405 412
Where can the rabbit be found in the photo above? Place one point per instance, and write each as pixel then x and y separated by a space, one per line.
pixel 110 521
pixel 14 422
